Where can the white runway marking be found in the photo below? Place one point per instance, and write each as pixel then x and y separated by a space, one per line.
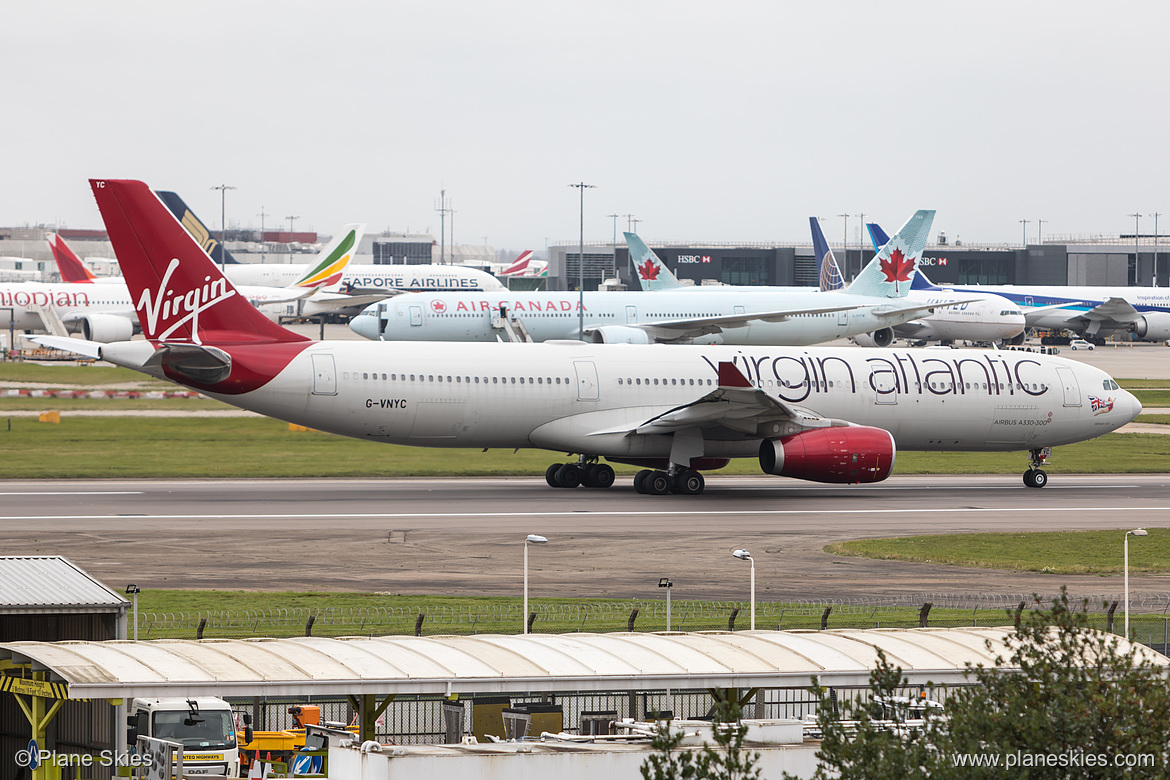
pixel 76 493
pixel 579 512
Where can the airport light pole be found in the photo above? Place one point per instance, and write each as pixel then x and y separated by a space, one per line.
pixel 223 188
pixel 666 583
pixel 263 241
pixel 1137 220
pixel 845 236
pixel 1039 231
pixel 134 590
pixel 1025 222
pixel 534 539
pixel 1155 215
pixel 291 219
pixel 582 186
pixel 1135 532
pixel 744 555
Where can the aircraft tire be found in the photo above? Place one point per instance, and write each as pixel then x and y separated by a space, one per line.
pixel 1039 479
pixel 550 474
pixel 688 482
pixel 598 475
pixel 569 475
pixel 640 480
pixel 657 483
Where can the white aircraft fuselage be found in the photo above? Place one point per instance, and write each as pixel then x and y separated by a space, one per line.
pixel 371 277
pixel 589 399
pixel 631 317
pixel 967 317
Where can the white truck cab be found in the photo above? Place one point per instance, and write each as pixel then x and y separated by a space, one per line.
pixel 206 727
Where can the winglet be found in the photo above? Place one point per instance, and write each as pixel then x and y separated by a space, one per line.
pixel 652 272
pixel 731 376
pixel 332 261
pixel 831 278
pixel 69 265
pixel 888 275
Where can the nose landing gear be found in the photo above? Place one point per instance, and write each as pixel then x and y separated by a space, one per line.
pixel 1035 477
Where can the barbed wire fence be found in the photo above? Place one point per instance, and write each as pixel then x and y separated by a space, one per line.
pixel 1149 617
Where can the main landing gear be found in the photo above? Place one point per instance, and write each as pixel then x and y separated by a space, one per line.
pixel 658 483
pixel 1035 477
pixel 570 475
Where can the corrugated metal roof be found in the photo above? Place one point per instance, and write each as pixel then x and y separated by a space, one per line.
pixel 50 583
pixel 507 664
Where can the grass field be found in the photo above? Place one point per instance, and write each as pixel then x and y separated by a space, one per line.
pixel 261 447
pixel 1055 552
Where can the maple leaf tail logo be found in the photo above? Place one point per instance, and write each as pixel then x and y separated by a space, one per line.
pixel 648 270
pixel 897 267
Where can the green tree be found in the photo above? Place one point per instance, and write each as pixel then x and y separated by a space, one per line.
pixel 1062 700
pixel 726 761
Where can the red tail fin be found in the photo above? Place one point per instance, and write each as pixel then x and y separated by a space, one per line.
pixel 179 294
pixel 70 266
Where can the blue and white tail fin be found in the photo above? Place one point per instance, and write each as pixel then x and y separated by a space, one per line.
pixel 831 278
pixel 880 239
pixel 652 272
pixel 890 272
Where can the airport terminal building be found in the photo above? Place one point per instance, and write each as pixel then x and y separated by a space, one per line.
pixel 1105 261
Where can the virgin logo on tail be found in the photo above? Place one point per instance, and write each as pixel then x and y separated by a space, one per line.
pixel 176 311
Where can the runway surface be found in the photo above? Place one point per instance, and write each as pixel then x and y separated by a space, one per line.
pixel 464 536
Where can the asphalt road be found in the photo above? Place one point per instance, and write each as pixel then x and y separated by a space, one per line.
pixel 464 536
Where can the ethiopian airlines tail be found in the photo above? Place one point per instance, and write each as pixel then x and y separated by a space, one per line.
pixel 889 274
pixel 69 264
pixel 831 278
pixel 199 231
pixel 652 272
pixel 331 263
pixel 180 296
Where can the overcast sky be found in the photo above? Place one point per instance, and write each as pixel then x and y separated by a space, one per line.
pixel 708 121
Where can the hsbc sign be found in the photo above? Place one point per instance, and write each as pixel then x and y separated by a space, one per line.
pixel 694 259
pixel 924 260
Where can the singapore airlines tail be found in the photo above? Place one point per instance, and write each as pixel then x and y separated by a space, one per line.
pixel 831 278
pixel 199 231
pixel 69 264
pixel 180 296
pixel 889 274
pixel 652 272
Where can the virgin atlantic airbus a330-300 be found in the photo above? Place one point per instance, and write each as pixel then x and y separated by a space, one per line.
pixel 825 414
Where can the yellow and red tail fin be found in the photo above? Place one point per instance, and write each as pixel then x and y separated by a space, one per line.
pixel 69 265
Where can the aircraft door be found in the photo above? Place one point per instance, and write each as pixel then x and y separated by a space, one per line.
pixel 587 385
pixel 1072 389
pixel 415 316
pixel 885 385
pixel 842 318
pixel 324 375
pixel 631 315
pixel 382 317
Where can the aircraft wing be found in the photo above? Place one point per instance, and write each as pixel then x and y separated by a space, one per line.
pixel 924 309
pixel 91 349
pixel 734 405
pixel 1033 315
pixel 700 326
pixel 327 300
pixel 1113 310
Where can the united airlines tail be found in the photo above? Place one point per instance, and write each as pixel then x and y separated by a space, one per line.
pixel 196 228
pixel 889 274
pixel 831 278
pixel 69 264
pixel 652 272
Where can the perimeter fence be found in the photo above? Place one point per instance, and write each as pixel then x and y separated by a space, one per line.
pixel 1149 617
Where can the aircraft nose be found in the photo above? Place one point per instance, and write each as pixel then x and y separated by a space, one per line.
pixel 1137 406
pixel 361 326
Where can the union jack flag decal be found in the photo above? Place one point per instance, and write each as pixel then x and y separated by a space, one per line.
pixel 1100 405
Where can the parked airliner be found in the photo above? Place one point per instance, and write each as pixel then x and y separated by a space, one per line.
pixel 980 318
pixel 359 279
pixel 822 414
pixel 719 315
pixel 105 312
pixel 1091 312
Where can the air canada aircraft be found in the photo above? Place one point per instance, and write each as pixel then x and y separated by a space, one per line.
pixel 822 414
pixel 982 318
pixel 714 315
pixel 360 279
